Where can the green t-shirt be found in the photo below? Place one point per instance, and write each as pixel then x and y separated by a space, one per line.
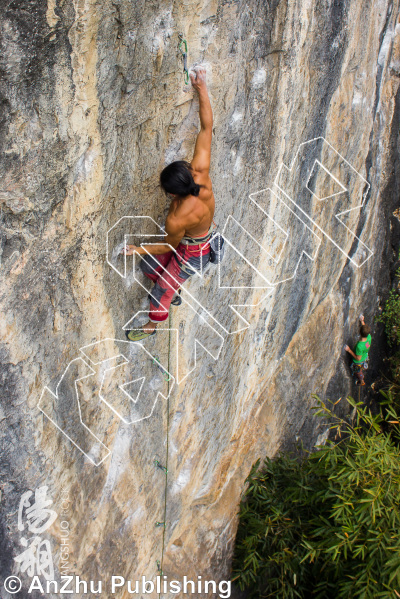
pixel 361 349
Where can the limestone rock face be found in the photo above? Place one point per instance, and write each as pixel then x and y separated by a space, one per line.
pixel 93 105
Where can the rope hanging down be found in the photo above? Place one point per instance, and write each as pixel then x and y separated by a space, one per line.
pixel 157 464
pixel 183 48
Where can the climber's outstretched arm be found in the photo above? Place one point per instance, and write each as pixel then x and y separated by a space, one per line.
pixel 350 351
pixel 202 151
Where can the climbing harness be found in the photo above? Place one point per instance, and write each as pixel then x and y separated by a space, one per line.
pixel 358 367
pixel 186 240
pixel 201 243
pixel 183 48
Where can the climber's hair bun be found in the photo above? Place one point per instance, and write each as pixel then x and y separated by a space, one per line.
pixel 195 190
pixel 177 178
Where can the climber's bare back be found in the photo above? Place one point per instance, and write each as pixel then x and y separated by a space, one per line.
pixel 195 214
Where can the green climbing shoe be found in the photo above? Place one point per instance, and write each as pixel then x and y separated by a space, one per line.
pixel 138 334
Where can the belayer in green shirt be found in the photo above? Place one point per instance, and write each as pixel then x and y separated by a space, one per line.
pixel 360 353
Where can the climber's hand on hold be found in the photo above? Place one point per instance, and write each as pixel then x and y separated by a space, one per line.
pixel 128 250
pixel 198 78
pixel 346 347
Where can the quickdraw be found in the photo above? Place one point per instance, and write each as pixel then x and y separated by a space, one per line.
pixel 184 50
pixel 156 362
pixel 160 466
pixel 159 567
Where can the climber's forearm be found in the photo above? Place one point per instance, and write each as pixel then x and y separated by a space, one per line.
pixel 350 351
pixel 205 110
pixel 159 248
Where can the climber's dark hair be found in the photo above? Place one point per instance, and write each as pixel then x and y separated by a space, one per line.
pixel 177 178
pixel 365 330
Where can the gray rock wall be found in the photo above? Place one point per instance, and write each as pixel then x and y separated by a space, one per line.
pixel 93 105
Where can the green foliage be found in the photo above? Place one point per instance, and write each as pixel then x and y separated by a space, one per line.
pixel 390 317
pixel 391 391
pixel 327 524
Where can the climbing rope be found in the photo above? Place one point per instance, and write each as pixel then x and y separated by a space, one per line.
pixel 165 468
pixel 184 50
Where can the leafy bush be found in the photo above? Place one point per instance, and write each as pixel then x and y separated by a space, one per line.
pixel 327 524
pixel 391 318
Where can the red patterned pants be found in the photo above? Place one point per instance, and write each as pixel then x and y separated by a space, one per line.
pixel 169 271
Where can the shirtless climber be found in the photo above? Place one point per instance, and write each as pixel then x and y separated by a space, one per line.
pixel 360 353
pixel 188 224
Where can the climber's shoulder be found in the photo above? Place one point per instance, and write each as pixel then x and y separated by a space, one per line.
pixel 202 178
